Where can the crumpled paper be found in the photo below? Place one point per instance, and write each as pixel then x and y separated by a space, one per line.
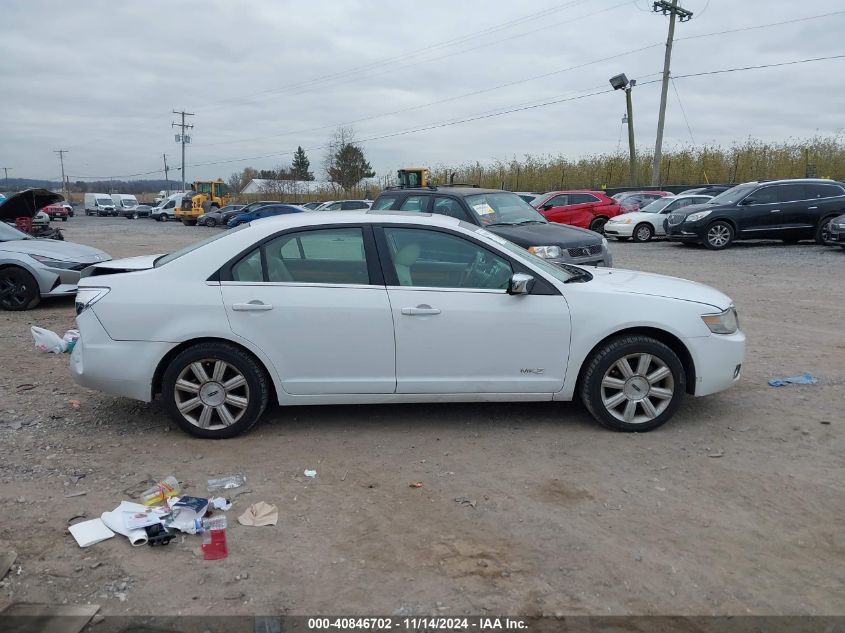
pixel 259 514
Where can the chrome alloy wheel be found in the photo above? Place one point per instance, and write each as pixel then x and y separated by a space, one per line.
pixel 211 394
pixel 718 235
pixel 637 388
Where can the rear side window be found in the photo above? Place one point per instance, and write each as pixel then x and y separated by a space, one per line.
pixel 824 191
pixel 351 205
pixel 384 202
pixel 581 198
pixel 792 193
pixel 413 203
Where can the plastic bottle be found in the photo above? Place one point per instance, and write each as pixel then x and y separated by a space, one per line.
pixel 225 483
pixel 168 487
pixel 214 538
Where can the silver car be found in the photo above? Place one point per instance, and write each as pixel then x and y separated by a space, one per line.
pixel 32 268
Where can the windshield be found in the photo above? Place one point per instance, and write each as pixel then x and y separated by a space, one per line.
pixel 556 272
pixel 105 200
pixel 8 233
pixel 658 205
pixel 732 195
pixel 496 209
pixel 166 259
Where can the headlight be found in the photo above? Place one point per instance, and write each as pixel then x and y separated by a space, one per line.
pixel 624 221
pixel 546 252
pixel 695 217
pixel 726 322
pixel 53 263
pixel 86 297
pixel 840 226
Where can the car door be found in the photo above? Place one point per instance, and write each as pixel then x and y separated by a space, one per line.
pixel 760 213
pixel 799 214
pixel 314 301
pixel 457 329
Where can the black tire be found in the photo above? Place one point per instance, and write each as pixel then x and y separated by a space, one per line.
pixel 135 216
pixel 256 388
pixel 823 231
pixel 643 232
pixel 64 219
pixel 597 225
pixel 622 238
pixel 18 289
pixel 604 360
pixel 719 235
pixel 163 217
pixel 211 222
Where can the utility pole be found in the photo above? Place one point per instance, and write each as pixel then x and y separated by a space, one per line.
pixel 6 170
pixel 672 10
pixel 166 178
pixel 621 82
pixel 61 153
pixel 182 138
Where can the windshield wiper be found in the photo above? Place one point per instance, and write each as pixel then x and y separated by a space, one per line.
pixel 530 222
pixel 499 224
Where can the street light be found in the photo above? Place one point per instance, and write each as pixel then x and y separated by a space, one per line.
pixel 621 82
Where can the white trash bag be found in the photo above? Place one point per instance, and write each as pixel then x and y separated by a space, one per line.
pixel 48 341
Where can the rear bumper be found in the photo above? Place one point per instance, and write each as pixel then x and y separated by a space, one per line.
pixel 99 362
pixel 718 361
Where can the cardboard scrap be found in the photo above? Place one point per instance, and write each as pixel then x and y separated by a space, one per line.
pixel 32 617
pixel 259 514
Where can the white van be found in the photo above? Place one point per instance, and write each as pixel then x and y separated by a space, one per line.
pixel 99 204
pixel 124 202
pixel 166 209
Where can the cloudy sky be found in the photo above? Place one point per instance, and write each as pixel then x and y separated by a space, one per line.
pixel 100 79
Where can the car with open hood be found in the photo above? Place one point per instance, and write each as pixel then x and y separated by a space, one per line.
pixel 32 268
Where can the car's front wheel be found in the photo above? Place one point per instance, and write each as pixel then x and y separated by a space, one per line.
pixel 215 390
pixel 211 222
pixel 597 225
pixel 164 217
pixel 633 383
pixel 18 289
pixel 643 232
pixel 719 235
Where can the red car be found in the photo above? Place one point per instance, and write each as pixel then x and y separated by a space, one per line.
pixel 56 211
pixel 587 209
pixel 635 200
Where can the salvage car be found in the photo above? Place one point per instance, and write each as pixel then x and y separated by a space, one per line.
pixel 648 222
pixel 583 208
pixel 214 218
pixel 433 309
pixel 266 211
pixel 788 210
pixel 56 211
pixel 32 268
pixel 506 214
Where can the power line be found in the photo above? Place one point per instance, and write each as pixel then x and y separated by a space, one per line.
pixel 776 65
pixel 684 112
pixel 761 26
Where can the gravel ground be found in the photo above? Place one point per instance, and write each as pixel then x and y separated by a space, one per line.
pixel 736 506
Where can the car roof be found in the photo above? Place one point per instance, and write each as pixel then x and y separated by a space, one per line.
pixel 359 217
pixel 575 191
pixel 443 191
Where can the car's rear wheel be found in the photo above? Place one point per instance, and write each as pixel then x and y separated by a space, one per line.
pixel 210 222
pixel 823 231
pixel 215 390
pixel 18 289
pixel 597 225
pixel 643 232
pixel 633 383
pixel 719 235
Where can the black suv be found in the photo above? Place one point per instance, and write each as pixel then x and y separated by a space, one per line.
pixel 788 210
pixel 505 214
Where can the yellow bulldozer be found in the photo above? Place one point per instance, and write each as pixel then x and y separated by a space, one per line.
pixel 206 195
pixel 411 177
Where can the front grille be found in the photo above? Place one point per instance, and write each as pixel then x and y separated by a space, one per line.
pixel 676 218
pixel 584 251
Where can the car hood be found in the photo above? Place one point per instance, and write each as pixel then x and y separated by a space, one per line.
pixel 27 203
pixel 549 234
pixel 692 208
pixel 639 283
pixel 63 251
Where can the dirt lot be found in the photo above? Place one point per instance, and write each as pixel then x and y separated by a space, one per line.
pixel 736 506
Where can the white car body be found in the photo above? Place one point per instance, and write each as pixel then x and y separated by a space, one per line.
pixel 340 343
pixel 99 204
pixel 625 225
pixel 124 201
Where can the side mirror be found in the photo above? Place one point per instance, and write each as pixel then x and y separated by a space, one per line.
pixel 546 207
pixel 520 284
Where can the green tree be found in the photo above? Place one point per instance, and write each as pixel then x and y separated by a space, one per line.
pixel 299 167
pixel 348 166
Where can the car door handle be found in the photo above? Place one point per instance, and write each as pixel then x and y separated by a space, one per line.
pixel 421 310
pixel 253 306
pixel 775 211
pixel 812 208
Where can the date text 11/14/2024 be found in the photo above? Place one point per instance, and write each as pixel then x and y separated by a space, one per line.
pixel 418 624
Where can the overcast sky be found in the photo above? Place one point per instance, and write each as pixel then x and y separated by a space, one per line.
pixel 100 79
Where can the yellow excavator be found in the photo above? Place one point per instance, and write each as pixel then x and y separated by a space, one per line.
pixel 206 195
pixel 411 177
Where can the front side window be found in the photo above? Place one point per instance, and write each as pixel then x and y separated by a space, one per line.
pixel 450 207
pixel 433 259
pixel 765 195
pixel 560 200
pixel 333 207
pixel 352 205
pixel 170 204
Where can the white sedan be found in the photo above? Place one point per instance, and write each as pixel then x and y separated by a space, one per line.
pixel 647 223
pixel 327 308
